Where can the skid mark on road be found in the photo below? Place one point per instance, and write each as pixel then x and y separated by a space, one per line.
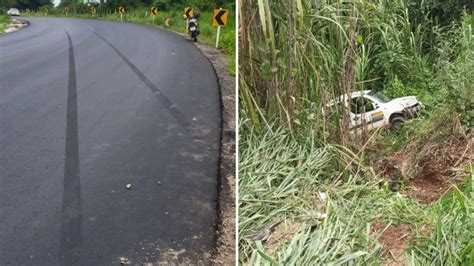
pixel 71 215
pixel 173 109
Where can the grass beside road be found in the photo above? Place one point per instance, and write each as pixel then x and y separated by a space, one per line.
pixel 176 23
pixel 281 178
pixel 4 22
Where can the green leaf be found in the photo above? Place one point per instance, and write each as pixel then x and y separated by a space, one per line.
pixel 268 258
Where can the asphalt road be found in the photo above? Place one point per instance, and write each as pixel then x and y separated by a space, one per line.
pixel 87 107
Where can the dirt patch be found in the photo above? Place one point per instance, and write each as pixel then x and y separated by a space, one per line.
pixel 425 162
pixel 394 239
pixel 280 235
pixel 226 250
pixel 427 189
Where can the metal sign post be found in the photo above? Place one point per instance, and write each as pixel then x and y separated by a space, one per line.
pixel 218 36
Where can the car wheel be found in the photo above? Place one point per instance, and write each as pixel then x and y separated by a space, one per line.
pixel 396 122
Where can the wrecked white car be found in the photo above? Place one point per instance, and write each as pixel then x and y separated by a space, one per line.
pixel 13 12
pixel 372 110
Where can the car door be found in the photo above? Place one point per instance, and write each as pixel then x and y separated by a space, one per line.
pixel 364 114
pixel 377 116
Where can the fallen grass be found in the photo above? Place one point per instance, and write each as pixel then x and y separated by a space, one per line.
pixel 4 23
pixel 172 20
pixel 280 179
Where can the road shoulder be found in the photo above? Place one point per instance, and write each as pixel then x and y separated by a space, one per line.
pixel 225 254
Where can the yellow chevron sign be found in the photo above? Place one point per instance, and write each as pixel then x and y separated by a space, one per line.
pixel 93 10
pixel 219 17
pixel 188 11
pixel 121 9
pixel 154 11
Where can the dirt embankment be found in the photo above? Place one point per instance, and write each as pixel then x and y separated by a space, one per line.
pixel 428 166
pixel 431 164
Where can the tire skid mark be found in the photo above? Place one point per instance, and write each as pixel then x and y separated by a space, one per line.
pixel 172 109
pixel 71 213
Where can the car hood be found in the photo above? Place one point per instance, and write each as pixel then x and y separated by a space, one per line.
pixel 407 101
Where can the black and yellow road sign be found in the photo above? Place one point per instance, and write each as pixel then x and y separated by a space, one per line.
pixel 93 10
pixel 66 10
pixel 121 9
pixel 45 10
pixel 219 17
pixel 27 10
pixel 188 11
pixel 154 11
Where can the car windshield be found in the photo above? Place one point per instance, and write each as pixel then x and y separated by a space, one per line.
pixel 380 96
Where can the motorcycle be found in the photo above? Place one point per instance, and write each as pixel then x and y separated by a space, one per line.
pixel 193 27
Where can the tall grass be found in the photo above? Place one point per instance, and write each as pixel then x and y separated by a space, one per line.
pixel 297 55
pixel 285 66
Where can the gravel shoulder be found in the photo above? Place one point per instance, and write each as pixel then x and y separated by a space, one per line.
pixel 225 254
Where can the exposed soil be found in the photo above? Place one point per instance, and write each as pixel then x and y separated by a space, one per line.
pixel 280 235
pixel 394 239
pixel 425 163
pixel 430 183
pixel 423 166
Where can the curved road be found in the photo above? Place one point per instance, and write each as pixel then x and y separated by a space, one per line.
pixel 87 107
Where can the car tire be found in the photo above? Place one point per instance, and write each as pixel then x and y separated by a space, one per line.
pixel 396 122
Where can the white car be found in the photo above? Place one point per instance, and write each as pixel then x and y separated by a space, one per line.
pixel 373 110
pixel 13 12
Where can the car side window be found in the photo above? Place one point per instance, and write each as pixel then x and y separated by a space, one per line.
pixel 361 105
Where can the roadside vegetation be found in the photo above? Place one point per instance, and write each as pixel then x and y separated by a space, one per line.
pixel 310 192
pixel 4 23
pixel 170 16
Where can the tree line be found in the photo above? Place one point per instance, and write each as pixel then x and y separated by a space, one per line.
pixel 205 5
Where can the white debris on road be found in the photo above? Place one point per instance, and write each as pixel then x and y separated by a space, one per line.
pixel 128 186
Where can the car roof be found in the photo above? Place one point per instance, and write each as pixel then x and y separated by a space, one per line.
pixel 354 94
pixel 349 96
